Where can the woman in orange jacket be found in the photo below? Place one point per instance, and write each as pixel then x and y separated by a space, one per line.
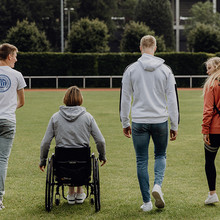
pixel 211 124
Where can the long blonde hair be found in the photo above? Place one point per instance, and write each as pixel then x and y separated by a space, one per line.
pixel 214 62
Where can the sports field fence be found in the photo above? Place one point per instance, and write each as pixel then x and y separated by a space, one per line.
pixel 112 81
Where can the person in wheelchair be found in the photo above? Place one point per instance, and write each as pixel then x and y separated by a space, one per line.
pixel 72 125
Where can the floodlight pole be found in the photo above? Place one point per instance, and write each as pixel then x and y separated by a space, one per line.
pixel 177 25
pixel 214 6
pixel 62 26
pixel 68 13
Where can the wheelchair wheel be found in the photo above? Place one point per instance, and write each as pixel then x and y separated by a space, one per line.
pixel 96 184
pixel 49 185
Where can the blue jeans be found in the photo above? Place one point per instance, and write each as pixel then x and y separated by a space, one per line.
pixel 7 133
pixel 141 134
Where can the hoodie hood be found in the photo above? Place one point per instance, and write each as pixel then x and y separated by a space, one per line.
pixel 71 113
pixel 149 62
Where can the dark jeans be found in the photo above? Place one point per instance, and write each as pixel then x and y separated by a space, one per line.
pixel 141 134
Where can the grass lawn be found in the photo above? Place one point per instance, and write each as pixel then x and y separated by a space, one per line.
pixel 184 187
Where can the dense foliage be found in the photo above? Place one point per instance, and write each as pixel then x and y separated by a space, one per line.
pixel 157 15
pixel 101 9
pixel 133 32
pixel 103 63
pixel 47 16
pixel 88 36
pixel 203 29
pixel 27 37
pixel 204 38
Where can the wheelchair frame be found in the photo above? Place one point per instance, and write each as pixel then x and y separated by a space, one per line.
pixel 52 181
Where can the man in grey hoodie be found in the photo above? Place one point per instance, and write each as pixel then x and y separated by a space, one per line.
pixel 152 85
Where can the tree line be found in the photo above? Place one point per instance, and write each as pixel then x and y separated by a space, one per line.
pixel 104 25
pixel 45 16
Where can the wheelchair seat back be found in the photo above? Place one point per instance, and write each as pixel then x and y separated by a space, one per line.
pixel 73 165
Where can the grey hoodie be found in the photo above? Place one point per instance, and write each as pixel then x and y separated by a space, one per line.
pixel 72 126
pixel 153 87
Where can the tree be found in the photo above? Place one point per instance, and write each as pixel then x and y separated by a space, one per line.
pixel 27 37
pixel 126 9
pixel 203 28
pixel 11 11
pixel 101 9
pixel 157 15
pixel 133 33
pixel 45 14
pixel 88 36
pixel 203 38
pixel 202 12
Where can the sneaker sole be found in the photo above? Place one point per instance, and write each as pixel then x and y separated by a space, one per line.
pixel 209 203
pixel 148 209
pixel 80 201
pixel 71 202
pixel 159 203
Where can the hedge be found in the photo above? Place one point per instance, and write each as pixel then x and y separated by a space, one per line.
pixel 89 64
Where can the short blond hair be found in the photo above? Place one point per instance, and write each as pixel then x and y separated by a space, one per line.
pixel 213 62
pixel 6 49
pixel 73 97
pixel 148 41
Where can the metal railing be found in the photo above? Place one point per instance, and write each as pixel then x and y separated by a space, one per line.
pixel 191 78
pixel 101 77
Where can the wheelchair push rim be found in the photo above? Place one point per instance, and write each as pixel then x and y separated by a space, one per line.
pixel 96 183
pixel 49 185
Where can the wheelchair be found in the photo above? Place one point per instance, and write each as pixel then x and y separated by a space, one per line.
pixel 72 166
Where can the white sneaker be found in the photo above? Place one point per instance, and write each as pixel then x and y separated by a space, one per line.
pixel 211 199
pixel 80 197
pixel 1 205
pixel 158 196
pixel 71 199
pixel 147 206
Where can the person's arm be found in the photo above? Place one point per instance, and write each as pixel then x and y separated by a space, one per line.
pixel 45 145
pixel 21 98
pixel 208 110
pixel 125 104
pixel 99 141
pixel 173 106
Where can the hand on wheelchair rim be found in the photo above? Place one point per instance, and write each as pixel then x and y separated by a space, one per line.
pixel 42 168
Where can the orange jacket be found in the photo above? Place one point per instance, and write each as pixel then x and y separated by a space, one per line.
pixel 211 119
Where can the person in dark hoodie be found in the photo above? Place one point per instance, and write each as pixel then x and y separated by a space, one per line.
pixel 72 125
pixel 153 87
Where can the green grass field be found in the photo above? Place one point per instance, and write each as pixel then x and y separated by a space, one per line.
pixel 184 187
